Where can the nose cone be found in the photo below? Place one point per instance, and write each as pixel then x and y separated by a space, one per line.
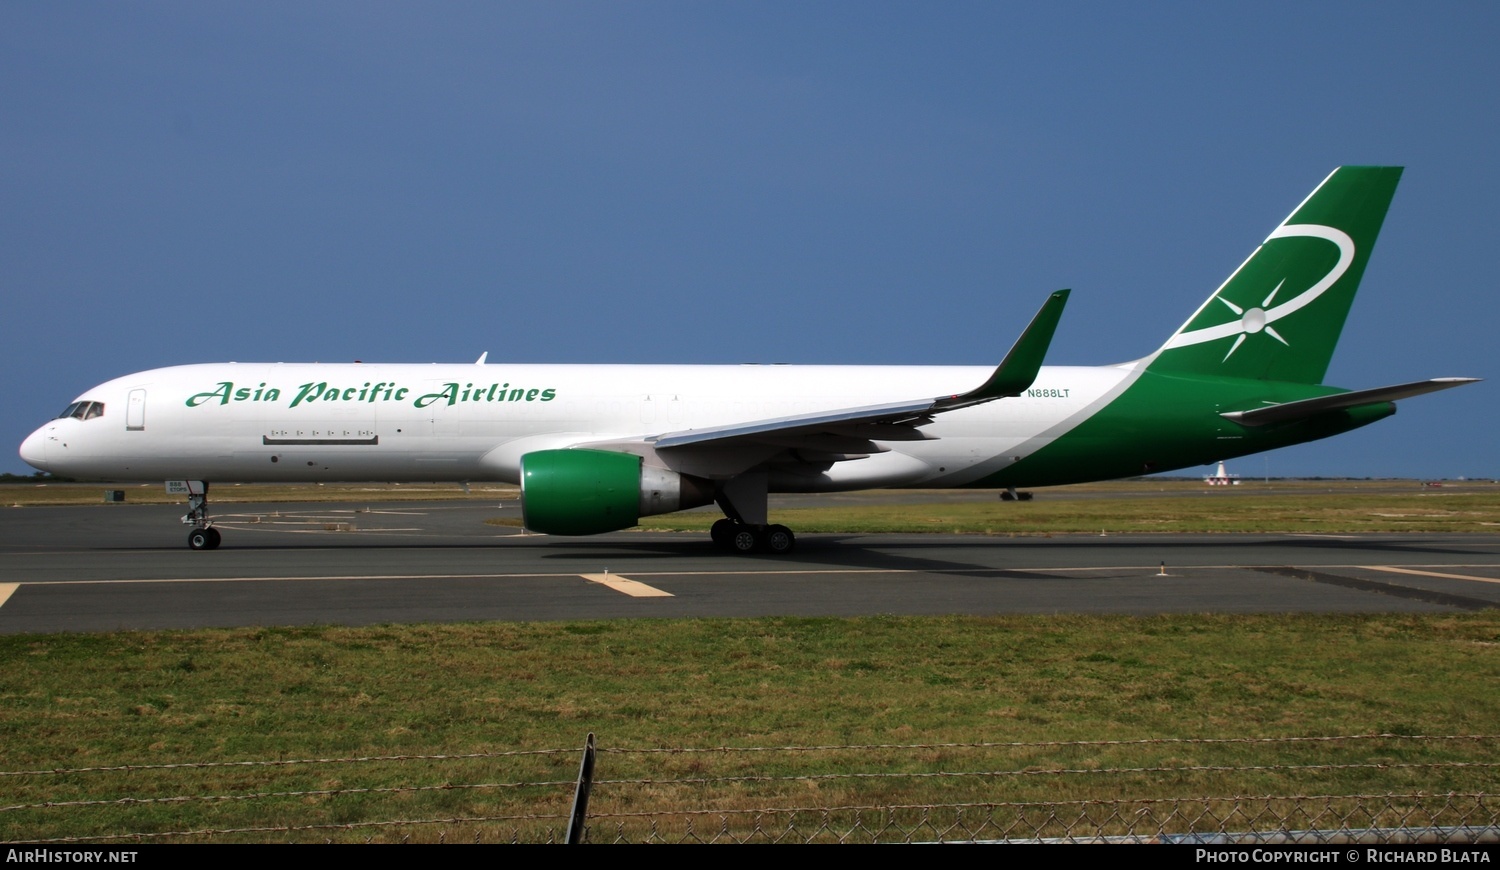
pixel 34 449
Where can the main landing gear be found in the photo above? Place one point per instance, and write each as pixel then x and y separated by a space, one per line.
pixel 744 538
pixel 744 528
pixel 203 536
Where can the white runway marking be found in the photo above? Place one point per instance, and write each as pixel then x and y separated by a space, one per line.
pixel 6 591
pixel 629 587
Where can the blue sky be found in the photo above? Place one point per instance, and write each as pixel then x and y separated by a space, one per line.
pixel 732 182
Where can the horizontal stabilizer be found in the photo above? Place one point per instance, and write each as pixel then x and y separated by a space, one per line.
pixel 1308 407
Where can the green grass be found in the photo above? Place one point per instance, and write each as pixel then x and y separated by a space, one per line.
pixel 74 701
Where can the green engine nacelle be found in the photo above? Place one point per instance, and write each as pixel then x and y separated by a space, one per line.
pixel 586 492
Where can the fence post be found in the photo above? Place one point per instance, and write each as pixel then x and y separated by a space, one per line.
pixel 581 791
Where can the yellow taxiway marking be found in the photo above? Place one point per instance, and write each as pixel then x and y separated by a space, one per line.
pixel 1395 570
pixel 629 587
pixel 6 591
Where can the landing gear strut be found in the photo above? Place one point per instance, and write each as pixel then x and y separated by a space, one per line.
pixel 203 535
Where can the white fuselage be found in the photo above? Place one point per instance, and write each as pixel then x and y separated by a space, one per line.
pixel 317 422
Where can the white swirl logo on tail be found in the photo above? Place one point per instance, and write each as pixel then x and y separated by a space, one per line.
pixel 1259 318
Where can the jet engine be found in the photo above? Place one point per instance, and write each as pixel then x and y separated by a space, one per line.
pixel 586 492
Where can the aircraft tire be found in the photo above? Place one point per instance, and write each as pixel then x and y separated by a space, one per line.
pixel 721 531
pixel 778 540
pixel 744 540
pixel 214 538
pixel 199 539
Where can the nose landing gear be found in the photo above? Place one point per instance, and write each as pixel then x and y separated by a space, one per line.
pixel 203 536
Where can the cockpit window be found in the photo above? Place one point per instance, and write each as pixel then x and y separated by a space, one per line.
pixel 83 410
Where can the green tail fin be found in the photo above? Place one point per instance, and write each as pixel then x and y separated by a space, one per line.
pixel 1279 315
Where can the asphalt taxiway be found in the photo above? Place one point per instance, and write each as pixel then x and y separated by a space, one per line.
pixel 127 567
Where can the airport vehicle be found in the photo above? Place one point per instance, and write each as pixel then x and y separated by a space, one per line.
pixel 595 448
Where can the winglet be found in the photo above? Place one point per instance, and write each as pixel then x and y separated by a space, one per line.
pixel 1018 370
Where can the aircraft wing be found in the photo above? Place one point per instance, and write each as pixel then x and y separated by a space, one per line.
pixel 1298 410
pixel 895 421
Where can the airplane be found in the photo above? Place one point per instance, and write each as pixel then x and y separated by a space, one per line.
pixel 595 448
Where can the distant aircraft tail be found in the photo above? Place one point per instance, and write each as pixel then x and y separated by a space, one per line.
pixel 1279 315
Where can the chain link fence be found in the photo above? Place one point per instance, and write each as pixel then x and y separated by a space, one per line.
pixel 1377 788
